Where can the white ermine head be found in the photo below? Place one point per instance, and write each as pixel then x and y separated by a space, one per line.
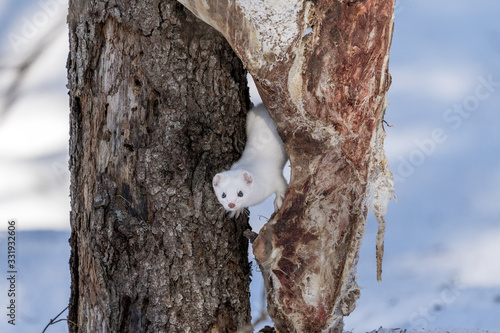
pixel 232 188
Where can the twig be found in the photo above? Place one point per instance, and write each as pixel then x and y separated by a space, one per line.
pixel 388 125
pixel 54 320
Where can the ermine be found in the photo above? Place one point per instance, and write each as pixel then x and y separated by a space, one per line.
pixel 259 172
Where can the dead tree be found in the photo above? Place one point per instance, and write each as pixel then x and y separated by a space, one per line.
pixel 158 102
pixel 321 68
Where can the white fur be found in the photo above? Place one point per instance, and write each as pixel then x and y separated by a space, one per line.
pixel 259 172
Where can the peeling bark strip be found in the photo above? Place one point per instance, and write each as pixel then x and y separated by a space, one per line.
pixel 321 68
pixel 158 104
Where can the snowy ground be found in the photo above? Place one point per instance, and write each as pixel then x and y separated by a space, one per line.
pixel 442 250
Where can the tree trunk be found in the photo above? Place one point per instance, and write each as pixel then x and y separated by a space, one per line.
pixel 321 68
pixel 158 102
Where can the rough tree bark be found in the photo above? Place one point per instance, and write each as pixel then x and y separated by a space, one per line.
pixel 158 102
pixel 321 68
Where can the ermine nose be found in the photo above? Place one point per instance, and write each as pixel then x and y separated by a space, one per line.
pixel 231 205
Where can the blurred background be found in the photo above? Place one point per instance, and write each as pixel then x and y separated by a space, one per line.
pixel 442 246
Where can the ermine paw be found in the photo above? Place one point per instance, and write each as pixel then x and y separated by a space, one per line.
pixel 278 202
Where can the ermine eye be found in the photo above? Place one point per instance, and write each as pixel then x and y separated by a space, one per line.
pixel 223 195
pixel 240 194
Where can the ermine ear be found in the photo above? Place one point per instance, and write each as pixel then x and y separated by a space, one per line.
pixel 247 177
pixel 217 179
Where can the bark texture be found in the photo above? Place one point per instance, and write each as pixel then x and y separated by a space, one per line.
pixel 158 103
pixel 321 68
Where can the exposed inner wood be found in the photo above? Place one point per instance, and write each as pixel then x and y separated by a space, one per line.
pixel 321 68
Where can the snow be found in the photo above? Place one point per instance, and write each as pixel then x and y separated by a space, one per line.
pixel 441 270
pixel 34 177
